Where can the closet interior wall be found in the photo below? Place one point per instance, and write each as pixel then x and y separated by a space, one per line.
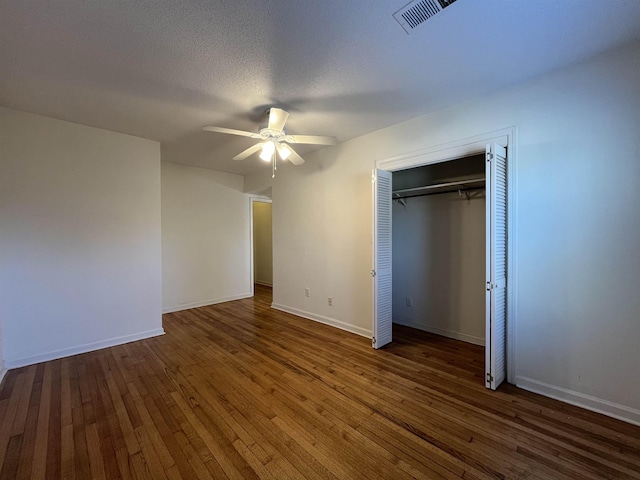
pixel 439 251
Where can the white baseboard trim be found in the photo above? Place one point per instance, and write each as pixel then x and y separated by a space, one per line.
pixel 326 320
pixel 445 333
pixel 87 347
pixel 611 409
pixel 206 303
pixel 264 284
pixel 3 372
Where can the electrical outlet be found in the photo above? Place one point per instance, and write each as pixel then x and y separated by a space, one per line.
pixel 307 292
pixel 408 301
pixel 330 301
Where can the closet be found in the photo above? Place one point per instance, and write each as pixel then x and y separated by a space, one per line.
pixel 438 248
pixel 440 251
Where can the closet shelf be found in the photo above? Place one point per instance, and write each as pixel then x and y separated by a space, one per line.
pixel 445 187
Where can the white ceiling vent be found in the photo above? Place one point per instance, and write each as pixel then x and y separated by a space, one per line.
pixel 418 12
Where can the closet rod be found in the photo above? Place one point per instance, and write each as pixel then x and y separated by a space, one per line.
pixel 471 184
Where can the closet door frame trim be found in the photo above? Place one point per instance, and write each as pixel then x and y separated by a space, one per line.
pixel 507 137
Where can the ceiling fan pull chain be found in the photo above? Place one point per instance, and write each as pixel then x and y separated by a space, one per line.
pixel 273 175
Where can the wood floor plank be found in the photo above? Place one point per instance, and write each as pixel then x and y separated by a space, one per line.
pixel 10 413
pixel 55 427
pixel 25 462
pixel 80 449
pixel 66 417
pixel 67 470
pixel 42 430
pixel 123 459
pixel 20 416
pixel 10 464
pixel 96 461
pixel 241 391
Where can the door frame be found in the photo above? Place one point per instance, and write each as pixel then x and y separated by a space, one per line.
pixel 507 137
pixel 253 199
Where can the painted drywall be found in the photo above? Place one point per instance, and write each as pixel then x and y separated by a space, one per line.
pixel 205 237
pixel 80 238
pixel 439 264
pixel 262 244
pixel 577 234
pixel 3 370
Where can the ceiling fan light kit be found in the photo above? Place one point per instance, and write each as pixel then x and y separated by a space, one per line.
pixel 275 140
pixel 284 151
pixel 268 148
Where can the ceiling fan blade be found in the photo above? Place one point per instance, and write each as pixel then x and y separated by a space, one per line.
pixel 232 131
pixel 249 151
pixel 311 139
pixel 277 118
pixel 294 157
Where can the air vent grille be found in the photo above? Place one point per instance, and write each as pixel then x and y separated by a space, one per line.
pixel 418 12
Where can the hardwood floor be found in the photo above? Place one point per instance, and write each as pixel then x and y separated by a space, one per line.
pixel 239 390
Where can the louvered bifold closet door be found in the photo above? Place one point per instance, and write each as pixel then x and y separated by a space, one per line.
pixel 382 319
pixel 496 345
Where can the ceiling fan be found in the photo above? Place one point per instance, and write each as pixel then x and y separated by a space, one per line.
pixel 274 139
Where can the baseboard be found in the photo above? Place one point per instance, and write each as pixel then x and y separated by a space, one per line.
pixel 3 372
pixel 445 333
pixel 326 320
pixel 205 303
pixel 611 409
pixel 264 284
pixel 87 347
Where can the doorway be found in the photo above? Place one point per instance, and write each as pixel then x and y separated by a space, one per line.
pixel 495 288
pixel 438 248
pixel 262 245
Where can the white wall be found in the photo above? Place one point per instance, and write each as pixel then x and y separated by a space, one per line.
pixel 439 262
pixel 80 238
pixel 205 237
pixel 577 232
pixel 262 244
pixel 3 370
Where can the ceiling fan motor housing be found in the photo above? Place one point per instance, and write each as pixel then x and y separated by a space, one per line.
pixel 269 133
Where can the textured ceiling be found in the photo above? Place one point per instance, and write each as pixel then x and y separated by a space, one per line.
pixel 163 69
